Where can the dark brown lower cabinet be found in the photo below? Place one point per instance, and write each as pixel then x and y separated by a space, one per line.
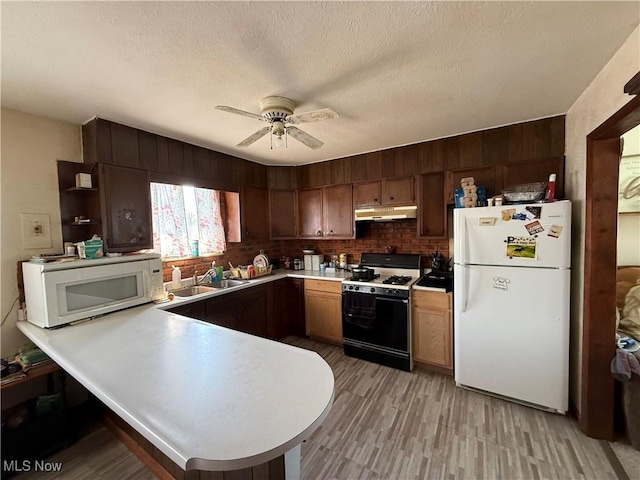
pixel 252 313
pixel 288 308
pixel 272 310
pixel 191 310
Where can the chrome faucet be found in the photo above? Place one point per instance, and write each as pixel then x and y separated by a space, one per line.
pixel 209 274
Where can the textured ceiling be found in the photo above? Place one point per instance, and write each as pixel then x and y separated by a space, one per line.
pixel 396 72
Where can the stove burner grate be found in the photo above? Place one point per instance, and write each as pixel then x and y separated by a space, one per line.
pixel 366 279
pixel 397 280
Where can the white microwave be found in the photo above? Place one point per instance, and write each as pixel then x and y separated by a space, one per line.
pixel 60 293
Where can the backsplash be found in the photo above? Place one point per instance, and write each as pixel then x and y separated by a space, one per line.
pixel 372 237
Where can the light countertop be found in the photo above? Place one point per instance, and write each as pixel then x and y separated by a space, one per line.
pixel 208 397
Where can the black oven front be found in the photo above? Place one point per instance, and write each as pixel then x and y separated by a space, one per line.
pixel 375 326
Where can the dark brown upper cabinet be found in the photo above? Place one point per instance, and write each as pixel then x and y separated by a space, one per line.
pixel 126 208
pixel 397 191
pixel 326 212
pixel 482 176
pixel 388 192
pixel 535 171
pixel 432 219
pixel 310 220
pixel 282 214
pixel 367 194
pixel 254 212
pixel 338 211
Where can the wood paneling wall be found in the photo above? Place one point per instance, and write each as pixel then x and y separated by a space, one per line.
pixel 539 139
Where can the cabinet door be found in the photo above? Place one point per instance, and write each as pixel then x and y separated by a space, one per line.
pixel 222 311
pixel 126 208
pixel 432 328
pixel 432 220
pixel 192 310
pixel 323 313
pixel 252 306
pixel 254 211
pixel 431 335
pixel 282 218
pixel 482 176
pixel 323 310
pixel 366 194
pixel 397 191
pixel 310 213
pixel 287 317
pixel 338 211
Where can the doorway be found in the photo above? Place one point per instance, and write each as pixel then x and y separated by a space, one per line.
pixel 601 213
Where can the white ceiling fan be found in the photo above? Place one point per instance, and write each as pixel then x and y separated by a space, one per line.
pixel 278 112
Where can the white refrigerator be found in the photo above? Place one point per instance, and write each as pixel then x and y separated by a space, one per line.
pixel 511 301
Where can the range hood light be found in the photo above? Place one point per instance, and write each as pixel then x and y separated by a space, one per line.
pixel 384 214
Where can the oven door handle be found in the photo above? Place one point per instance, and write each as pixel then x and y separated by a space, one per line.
pixel 397 300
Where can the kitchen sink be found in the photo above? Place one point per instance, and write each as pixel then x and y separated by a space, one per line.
pixel 191 291
pixel 226 283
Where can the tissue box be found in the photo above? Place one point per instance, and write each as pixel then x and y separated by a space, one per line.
pixel 308 262
pixel 316 260
pixel 83 180
pixel 91 248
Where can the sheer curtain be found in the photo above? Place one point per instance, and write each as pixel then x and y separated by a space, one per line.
pixel 182 214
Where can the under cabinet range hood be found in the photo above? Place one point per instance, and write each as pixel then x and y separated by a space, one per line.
pixel 385 214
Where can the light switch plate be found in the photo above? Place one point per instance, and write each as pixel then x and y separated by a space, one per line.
pixel 36 231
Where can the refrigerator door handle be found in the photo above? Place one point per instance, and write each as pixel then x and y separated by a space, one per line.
pixel 460 229
pixel 465 298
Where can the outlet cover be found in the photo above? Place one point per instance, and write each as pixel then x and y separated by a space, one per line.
pixel 36 231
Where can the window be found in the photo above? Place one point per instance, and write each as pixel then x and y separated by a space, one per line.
pixel 182 214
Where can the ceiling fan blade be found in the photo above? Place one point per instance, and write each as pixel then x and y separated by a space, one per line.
pixel 313 116
pixel 241 112
pixel 304 137
pixel 256 136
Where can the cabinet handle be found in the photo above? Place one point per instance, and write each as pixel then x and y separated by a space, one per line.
pixel 319 233
pixel 330 232
pixel 375 199
pixel 390 198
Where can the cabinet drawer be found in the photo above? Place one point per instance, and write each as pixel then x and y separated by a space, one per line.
pixel 436 300
pixel 328 286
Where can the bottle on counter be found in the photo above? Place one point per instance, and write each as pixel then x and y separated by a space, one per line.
pixel 176 278
pixel 343 260
pixel 551 188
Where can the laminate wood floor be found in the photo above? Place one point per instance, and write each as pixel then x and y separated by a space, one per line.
pixel 389 424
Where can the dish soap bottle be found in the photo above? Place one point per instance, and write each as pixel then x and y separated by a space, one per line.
pixel 214 272
pixel 176 278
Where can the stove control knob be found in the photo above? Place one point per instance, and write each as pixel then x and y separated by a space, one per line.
pixel 350 287
pixel 373 290
pixel 357 288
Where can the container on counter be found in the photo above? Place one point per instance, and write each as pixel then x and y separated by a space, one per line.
pixel 343 260
pixel 195 250
pixel 176 278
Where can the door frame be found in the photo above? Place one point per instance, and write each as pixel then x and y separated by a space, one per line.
pixel 600 268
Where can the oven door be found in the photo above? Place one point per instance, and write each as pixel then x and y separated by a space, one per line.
pixel 375 320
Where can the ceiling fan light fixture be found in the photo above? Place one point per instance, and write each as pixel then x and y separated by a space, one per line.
pixel 278 112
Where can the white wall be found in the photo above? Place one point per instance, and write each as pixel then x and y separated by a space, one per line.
pixel 28 184
pixel 596 104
